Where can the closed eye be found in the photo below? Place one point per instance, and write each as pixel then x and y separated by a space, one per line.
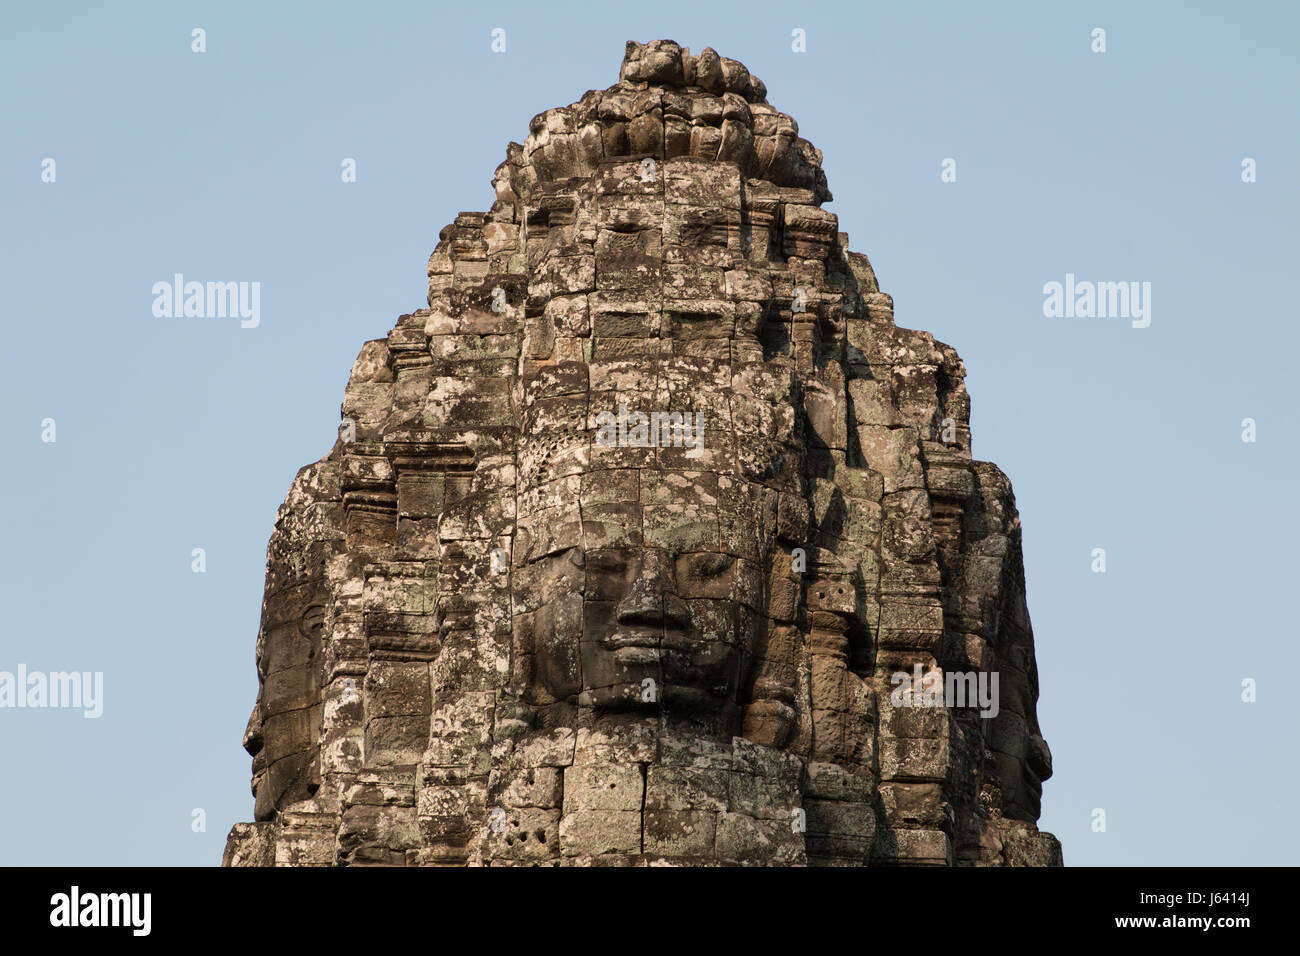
pixel 606 561
pixel 710 565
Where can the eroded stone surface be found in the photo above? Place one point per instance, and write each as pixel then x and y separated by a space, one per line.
pixel 493 635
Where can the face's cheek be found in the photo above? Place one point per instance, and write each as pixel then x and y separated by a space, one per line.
pixel 278 735
pixel 552 588
pixel 282 733
pixel 608 580
pixel 708 659
pixel 558 626
pixel 608 576
pixel 280 738
pixel 601 670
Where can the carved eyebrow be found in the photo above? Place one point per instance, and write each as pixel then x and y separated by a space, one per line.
pixel 709 563
pixel 606 560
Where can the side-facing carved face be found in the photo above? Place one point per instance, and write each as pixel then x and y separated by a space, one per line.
pixel 281 733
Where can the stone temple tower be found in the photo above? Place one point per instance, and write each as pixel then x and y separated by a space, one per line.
pixel 652 539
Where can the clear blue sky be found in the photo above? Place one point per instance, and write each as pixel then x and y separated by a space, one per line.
pixel 174 434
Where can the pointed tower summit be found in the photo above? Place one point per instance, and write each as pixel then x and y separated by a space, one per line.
pixel 652 539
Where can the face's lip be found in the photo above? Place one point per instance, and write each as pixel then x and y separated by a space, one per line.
pixel 633 655
pixel 680 641
pixel 633 637
pixel 671 639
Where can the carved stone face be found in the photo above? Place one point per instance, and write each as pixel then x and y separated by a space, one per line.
pixel 656 628
pixel 282 730
pixel 646 610
pixel 643 562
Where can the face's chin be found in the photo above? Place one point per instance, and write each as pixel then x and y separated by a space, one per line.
pixel 264 800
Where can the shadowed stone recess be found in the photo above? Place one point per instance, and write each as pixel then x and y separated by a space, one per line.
pixel 507 621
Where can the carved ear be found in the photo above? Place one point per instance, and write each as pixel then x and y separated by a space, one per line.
pixel 769 723
pixel 312 621
pixel 771 715
pixel 513 717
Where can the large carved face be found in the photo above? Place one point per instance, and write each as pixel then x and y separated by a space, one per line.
pixel 648 592
pixel 646 628
pixel 282 732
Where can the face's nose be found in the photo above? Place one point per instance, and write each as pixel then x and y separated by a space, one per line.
pixel 253 731
pixel 651 599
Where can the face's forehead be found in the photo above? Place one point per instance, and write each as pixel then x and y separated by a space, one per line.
pixel 678 455
pixel 667 512
pixel 291 625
